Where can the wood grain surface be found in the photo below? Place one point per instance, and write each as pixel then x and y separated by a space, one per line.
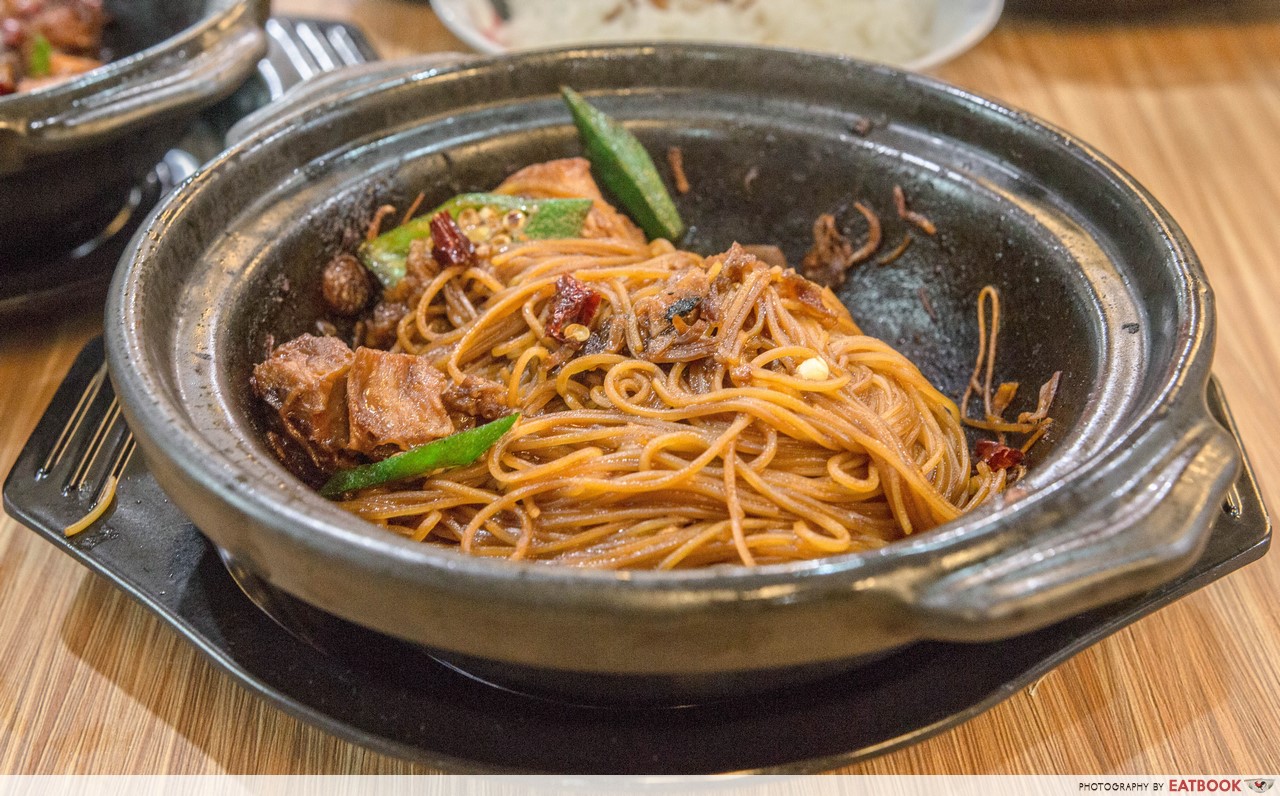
pixel 1189 103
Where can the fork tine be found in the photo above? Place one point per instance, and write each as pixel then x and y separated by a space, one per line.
pixel 285 39
pixel 275 84
pixel 77 418
pixel 121 463
pixel 105 494
pixel 346 47
pixel 318 46
pixel 98 443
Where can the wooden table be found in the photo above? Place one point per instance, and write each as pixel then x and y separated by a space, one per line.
pixel 90 682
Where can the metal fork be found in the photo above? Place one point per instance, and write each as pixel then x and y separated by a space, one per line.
pixel 309 47
pixel 92 451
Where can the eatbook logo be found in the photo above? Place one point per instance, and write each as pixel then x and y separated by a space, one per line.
pixel 1261 785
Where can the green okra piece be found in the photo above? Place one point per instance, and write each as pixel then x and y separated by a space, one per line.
pixel 455 450
pixel 545 219
pixel 624 166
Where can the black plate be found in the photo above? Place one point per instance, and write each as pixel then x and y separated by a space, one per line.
pixel 77 281
pixel 393 698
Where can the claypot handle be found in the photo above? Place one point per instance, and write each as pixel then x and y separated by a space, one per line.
pixel 1140 521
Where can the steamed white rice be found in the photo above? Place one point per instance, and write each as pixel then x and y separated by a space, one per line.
pixel 892 31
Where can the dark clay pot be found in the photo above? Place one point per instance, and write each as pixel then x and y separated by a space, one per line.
pixel 1097 280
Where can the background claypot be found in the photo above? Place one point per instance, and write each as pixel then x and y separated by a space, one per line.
pixel 70 153
pixel 1098 282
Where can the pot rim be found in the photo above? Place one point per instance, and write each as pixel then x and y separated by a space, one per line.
pixel 344 537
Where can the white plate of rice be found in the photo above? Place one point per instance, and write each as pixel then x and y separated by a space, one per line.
pixel 913 34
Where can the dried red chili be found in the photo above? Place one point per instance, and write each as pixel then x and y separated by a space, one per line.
pixel 449 247
pixel 997 456
pixel 574 303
